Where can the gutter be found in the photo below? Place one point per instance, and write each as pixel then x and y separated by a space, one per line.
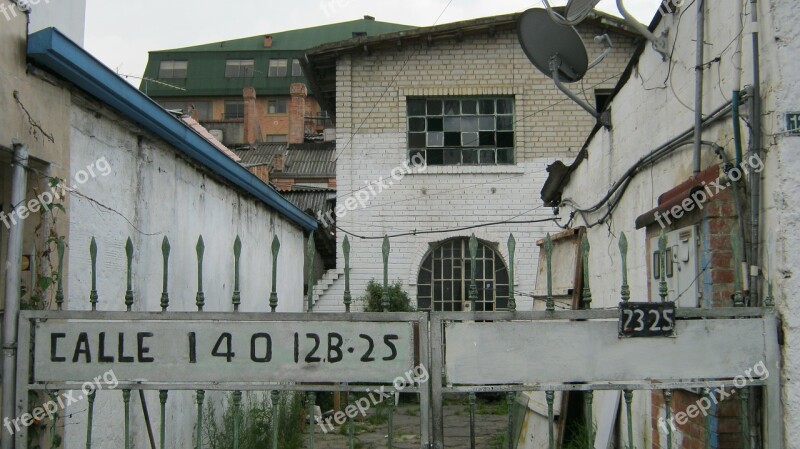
pixel 51 49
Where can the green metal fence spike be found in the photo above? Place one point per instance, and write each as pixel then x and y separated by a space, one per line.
pixel 473 267
pixel 162 398
pixel 587 291
pixel 662 258
pixel 237 253
pixel 93 255
pixel 164 294
pixel 90 417
pixel 310 257
pixel 237 417
pixel 628 394
pixel 385 296
pixel 201 396
pixel 625 290
pixel 348 299
pixel 548 252
pixel 126 400
pixel 60 284
pixel 275 395
pixel 738 296
pixel 550 397
pixel 512 247
pixel 129 274
pixel 200 299
pixel 273 296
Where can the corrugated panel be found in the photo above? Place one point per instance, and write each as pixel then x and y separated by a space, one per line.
pixel 311 201
pixel 309 160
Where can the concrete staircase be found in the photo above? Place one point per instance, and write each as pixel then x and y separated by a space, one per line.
pixel 325 282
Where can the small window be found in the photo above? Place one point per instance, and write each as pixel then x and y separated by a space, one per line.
pixel 277 106
pixel 173 69
pixel 462 131
pixel 277 67
pixel 234 109
pixel 296 69
pixel 239 68
pixel 602 97
pixel 277 138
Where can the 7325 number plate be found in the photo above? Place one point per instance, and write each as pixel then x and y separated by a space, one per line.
pixel 647 319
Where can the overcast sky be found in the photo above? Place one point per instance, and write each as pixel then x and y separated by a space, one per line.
pixel 120 33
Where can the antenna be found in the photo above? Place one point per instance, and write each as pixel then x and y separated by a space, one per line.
pixel 557 51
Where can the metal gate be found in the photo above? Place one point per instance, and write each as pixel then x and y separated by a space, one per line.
pixel 464 352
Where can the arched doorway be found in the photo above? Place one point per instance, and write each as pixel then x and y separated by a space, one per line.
pixel 444 278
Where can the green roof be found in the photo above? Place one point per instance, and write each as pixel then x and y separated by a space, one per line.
pixel 206 68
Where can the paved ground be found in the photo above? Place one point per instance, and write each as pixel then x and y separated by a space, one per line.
pixel 490 422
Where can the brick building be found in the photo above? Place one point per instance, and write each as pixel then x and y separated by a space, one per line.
pixel 464 98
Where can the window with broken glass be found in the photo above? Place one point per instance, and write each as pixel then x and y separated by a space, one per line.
pixel 461 131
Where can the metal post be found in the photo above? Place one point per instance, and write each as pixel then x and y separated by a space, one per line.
pixel 473 287
pixel 93 256
pixel 472 420
pixel 351 430
pixel 512 307
pixel 12 296
pixel 237 417
pixel 162 397
pixel 548 252
pixel 312 400
pixel 707 442
pixel 201 395
pixel 628 394
pixel 738 297
pixel 126 400
pixel 390 437
pixel 744 397
pixel 588 400
pixel 668 407
pixel 386 249
pixel 60 282
pixel 310 255
pixel 550 396
pixel 90 417
pixel 275 395
pixel 437 364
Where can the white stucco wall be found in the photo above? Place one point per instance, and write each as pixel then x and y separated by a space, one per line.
pixel 151 193
pixel 647 113
pixel 371 141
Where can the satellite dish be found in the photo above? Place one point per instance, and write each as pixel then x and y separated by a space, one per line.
pixel 542 39
pixel 557 51
pixel 577 10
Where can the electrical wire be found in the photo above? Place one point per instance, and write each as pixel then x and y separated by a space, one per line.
pixel 443 231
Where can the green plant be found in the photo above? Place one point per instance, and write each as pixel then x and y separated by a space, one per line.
pixel 255 428
pixel 498 441
pixel 399 300
pixel 577 436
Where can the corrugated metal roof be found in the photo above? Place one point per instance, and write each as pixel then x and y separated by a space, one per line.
pixel 308 160
pixel 311 201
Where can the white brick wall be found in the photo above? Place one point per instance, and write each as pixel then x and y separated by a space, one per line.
pixel 371 141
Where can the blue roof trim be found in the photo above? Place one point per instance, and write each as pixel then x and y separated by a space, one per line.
pixel 58 53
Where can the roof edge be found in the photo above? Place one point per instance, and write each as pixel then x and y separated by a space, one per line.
pixel 51 49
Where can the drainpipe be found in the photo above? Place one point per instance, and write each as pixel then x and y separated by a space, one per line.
pixel 698 93
pixel 755 149
pixel 13 274
pixel 737 85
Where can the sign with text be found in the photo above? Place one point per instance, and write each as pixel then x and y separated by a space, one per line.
pixel 793 122
pixel 222 351
pixel 647 319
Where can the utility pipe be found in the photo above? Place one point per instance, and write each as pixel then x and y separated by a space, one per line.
pixel 698 92
pixel 12 293
pixel 755 149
